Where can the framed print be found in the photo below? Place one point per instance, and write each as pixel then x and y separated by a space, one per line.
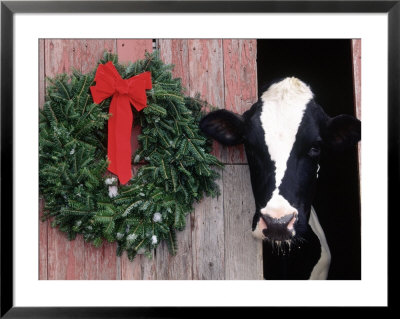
pixel 206 193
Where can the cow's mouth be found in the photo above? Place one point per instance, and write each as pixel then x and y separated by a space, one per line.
pixel 277 236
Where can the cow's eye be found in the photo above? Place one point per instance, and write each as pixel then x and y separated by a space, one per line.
pixel 314 151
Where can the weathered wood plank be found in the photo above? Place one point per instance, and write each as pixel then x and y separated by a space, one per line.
pixel 240 81
pixel 93 50
pixel 206 75
pixel 130 50
pixel 42 244
pixel 42 225
pixel 179 266
pixel 100 263
pixel 42 84
pixel 243 253
pixel 130 270
pixel 208 238
pixel 61 55
pixel 175 51
pixel 77 260
pixel 65 258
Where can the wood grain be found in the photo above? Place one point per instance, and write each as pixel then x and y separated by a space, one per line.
pixel 240 81
pixel 179 266
pixel 208 238
pixel 206 71
pixel 65 258
pixel 42 225
pixel 43 251
pixel 93 50
pixel 42 84
pixel 130 50
pixel 243 253
pixel 61 55
pixel 175 51
pixel 101 263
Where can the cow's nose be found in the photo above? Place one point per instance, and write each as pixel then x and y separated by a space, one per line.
pixel 285 222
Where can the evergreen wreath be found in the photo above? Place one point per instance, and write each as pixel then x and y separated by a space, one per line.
pixel 81 197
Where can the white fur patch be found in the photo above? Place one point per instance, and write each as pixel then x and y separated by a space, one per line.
pixel 278 206
pixel 320 270
pixel 284 104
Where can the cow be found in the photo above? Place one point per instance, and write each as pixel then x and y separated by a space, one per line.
pixel 284 134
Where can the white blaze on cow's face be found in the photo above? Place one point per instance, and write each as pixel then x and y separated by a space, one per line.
pixel 283 107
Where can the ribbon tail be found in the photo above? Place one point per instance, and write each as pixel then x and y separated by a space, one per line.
pixel 119 136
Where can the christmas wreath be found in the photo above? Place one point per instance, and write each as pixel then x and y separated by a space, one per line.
pixel 81 196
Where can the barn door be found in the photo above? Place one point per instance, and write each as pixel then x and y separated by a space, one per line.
pixel 217 241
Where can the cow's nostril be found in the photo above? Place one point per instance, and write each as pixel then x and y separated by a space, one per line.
pixel 285 221
pixel 279 229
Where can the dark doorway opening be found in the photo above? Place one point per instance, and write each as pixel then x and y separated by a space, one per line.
pixel 326 65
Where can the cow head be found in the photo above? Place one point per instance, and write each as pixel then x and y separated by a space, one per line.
pixel 284 134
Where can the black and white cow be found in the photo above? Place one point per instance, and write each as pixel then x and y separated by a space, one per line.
pixel 284 134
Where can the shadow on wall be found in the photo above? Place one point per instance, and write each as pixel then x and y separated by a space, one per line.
pixel 326 66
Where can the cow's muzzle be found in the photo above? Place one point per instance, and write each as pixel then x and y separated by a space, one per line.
pixel 279 229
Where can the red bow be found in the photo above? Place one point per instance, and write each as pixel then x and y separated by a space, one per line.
pixel 123 92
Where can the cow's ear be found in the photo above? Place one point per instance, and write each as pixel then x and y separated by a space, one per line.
pixel 224 126
pixel 342 132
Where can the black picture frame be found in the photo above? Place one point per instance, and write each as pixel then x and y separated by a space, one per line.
pixel 9 8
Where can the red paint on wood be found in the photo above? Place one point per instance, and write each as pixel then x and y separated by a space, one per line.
pixel 42 244
pixel 101 263
pixel 131 270
pixel 93 50
pixel 61 56
pixel 42 225
pixel 42 85
pixel 240 80
pixel 75 259
pixel 206 75
pixel 130 50
pixel 175 51
pixel 65 258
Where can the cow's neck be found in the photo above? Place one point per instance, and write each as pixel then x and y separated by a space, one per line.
pixel 310 260
pixel 320 270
